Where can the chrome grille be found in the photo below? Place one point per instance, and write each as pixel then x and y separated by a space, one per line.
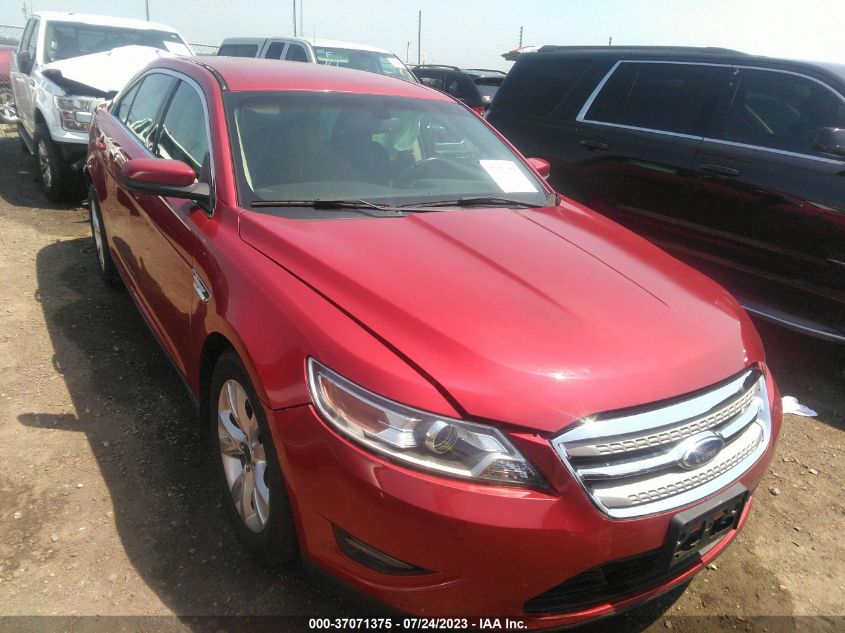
pixel 663 457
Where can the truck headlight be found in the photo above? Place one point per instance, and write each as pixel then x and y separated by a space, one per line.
pixel 416 438
pixel 75 112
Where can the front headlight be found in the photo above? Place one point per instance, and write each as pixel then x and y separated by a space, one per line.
pixel 75 112
pixel 423 440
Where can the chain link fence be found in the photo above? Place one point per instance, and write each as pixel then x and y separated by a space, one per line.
pixel 10 35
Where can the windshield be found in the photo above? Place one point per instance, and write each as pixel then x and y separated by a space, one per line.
pixel 385 150
pixel 370 61
pixel 64 40
pixel 488 86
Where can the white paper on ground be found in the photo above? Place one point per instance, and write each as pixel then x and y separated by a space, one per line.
pixel 791 405
pixel 506 174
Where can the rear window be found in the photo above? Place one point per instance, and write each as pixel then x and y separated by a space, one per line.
pixel 657 96
pixel 239 50
pixel 537 85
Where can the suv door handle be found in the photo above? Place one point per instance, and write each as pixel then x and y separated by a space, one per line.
pixel 721 170
pixel 594 145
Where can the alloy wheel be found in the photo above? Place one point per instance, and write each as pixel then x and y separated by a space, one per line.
pixel 8 114
pixel 243 455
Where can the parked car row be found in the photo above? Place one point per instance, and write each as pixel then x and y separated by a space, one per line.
pixel 733 163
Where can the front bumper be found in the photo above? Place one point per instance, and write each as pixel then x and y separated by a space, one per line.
pixel 490 549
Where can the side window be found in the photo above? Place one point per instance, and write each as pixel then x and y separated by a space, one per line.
pixel 33 40
pixel 432 79
pixel 121 108
pixel 536 87
pixel 668 97
pixel 275 50
pixel 27 33
pixel 296 53
pixel 183 133
pixel 781 111
pixel 142 113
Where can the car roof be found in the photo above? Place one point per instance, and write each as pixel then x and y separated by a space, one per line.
pixel 102 20
pixel 681 53
pixel 252 74
pixel 319 43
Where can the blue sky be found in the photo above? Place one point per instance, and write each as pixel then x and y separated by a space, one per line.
pixel 476 33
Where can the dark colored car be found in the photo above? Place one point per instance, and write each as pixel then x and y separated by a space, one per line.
pixel 475 87
pixel 732 162
pixel 450 388
pixel 8 114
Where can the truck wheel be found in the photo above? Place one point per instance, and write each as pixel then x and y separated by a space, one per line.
pixel 56 175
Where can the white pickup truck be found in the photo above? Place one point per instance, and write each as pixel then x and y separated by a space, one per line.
pixel 67 63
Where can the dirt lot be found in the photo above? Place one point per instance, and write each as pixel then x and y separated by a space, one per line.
pixel 106 509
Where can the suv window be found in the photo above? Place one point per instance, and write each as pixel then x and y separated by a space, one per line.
pixel 142 113
pixel 32 44
pixel 538 86
pixel 781 111
pixel 183 134
pixel 296 53
pixel 669 97
pixel 238 50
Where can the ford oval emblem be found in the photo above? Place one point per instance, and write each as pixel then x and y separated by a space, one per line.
pixel 700 449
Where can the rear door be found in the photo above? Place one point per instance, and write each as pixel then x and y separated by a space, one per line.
pixel 637 139
pixel 771 205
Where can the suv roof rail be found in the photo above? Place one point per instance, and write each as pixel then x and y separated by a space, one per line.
pixel 436 66
pixel 551 48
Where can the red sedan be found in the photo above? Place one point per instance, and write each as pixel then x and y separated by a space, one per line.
pixel 447 386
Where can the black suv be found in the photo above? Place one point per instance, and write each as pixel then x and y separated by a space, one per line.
pixel 474 86
pixel 732 162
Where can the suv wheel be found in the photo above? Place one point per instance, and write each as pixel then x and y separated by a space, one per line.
pixel 101 244
pixel 56 175
pixel 250 477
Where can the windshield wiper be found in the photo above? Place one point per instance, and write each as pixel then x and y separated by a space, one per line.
pixel 477 201
pixel 325 204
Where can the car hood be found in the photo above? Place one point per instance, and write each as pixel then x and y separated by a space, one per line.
pixel 534 318
pixel 105 72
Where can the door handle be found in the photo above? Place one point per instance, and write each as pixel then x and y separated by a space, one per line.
pixel 591 145
pixel 721 170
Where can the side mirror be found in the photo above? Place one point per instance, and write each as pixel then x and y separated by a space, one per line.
pixel 25 62
pixel 541 166
pixel 164 177
pixel 831 140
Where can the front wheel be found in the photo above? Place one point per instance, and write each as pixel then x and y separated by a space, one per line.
pixel 59 181
pixel 254 494
pixel 8 113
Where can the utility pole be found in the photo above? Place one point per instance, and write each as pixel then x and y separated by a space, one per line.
pixel 294 18
pixel 520 37
pixel 419 38
pixel 301 19
pixel 408 51
pixel 147 8
pixel 610 41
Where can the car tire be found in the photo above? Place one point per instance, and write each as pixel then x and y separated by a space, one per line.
pixel 56 176
pixel 106 264
pixel 250 477
pixel 8 113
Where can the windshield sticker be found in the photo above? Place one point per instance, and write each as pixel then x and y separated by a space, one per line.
pixel 177 48
pixel 507 176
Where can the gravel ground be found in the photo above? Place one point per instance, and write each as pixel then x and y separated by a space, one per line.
pixel 105 502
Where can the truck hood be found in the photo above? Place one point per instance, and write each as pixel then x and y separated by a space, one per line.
pixel 535 318
pixel 105 72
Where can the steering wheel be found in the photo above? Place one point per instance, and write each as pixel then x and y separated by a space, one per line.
pixel 425 168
